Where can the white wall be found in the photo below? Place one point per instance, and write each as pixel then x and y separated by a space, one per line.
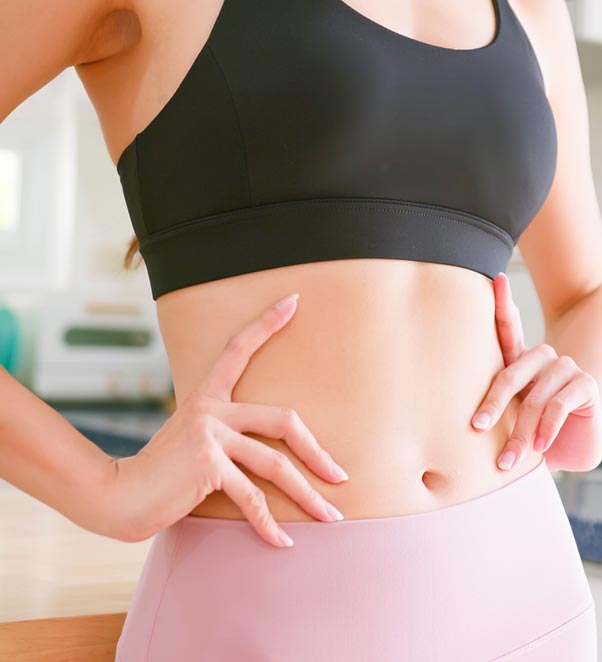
pixel 103 228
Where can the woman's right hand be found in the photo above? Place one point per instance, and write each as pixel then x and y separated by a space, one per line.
pixel 191 455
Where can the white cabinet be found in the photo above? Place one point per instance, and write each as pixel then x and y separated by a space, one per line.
pixel 587 19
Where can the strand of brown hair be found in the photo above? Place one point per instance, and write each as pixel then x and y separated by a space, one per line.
pixel 132 250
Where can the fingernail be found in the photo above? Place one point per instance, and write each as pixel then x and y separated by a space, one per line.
pixel 283 302
pixel 284 538
pixel 339 472
pixel 482 420
pixel 507 459
pixel 337 514
pixel 539 443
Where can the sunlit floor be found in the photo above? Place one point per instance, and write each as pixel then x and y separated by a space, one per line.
pixel 51 567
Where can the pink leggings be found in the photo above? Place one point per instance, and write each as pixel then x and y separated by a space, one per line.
pixel 497 577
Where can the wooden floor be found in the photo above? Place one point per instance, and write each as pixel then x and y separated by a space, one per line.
pixel 66 639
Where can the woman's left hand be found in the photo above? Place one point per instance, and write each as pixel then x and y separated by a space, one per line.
pixel 560 412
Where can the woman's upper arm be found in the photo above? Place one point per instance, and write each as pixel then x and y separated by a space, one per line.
pixel 562 247
pixel 40 39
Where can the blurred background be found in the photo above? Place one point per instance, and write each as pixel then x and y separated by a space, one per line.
pixel 80 331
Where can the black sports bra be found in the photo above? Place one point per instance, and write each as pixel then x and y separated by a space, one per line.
pixel 305 131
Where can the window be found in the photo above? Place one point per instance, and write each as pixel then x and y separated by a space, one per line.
pixel 10 190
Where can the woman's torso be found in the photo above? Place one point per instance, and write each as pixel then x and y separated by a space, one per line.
pixel 385 360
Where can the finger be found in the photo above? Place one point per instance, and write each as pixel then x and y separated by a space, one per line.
pixel 239 348
pixel 579 393
pixel 510 381
pixel 269 463
pixel 508 322
pixel 553 378
pixel 252 502
pixel 286 424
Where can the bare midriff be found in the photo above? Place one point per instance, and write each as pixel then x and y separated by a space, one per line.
pixel 385 361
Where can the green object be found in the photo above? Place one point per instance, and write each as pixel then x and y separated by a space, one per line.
pixel 103 337
pixel 10 340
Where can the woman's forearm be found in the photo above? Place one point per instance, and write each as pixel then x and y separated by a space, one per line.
pixel 44 455
pixel 578 334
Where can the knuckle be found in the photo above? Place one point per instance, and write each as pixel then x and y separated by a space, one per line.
pixel 532 402
pixel 266 321
pixel 208 454
pixel 546 349
pixel 290 416
pixel 556 405
pixel 566 361
pixel 235 343
pixel 589 378
pixel 508 377
pixel 518 440
pixel 211 481
pixel 256 501
pixel 280 462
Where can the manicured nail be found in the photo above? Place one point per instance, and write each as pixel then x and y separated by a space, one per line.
pixel 334 512
pixel 339 472
pixel 507 459
pixel 284 538
pixel 283 302
pixel 539 443
pixel 482 420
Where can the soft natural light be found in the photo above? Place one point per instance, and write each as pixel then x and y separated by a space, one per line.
pixel 10 181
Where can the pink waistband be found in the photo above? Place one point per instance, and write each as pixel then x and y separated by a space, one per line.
pixel 539 473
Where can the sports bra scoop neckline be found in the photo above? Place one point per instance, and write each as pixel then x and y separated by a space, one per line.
pixel 420 44
pixel 305 131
